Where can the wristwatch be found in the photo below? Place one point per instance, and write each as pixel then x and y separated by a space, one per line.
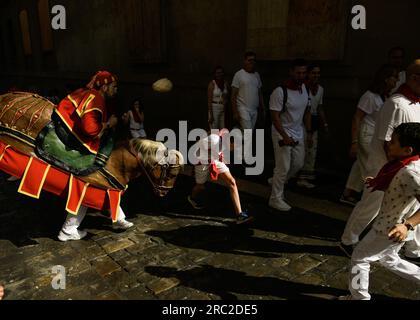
pixel 408 225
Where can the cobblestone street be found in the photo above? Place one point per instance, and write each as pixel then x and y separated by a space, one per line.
pixel 174 252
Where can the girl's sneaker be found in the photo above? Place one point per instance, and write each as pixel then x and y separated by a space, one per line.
pixel 243 217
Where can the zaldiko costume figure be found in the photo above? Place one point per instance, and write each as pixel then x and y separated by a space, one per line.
pixel 86 115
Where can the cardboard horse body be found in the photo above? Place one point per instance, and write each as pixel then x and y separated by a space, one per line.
pixel 23 116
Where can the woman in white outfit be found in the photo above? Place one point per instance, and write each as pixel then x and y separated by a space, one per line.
pixel 135 117
pixel 217 96
pixel 363 128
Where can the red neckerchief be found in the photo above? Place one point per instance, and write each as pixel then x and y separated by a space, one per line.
pixel 293 85
pixel 406 91
pixel 220 84
pixel 388 172
pixel 312 87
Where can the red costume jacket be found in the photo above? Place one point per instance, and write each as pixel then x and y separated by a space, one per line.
pixel 84 113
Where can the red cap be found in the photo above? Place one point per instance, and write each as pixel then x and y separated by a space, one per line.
pixel 101 78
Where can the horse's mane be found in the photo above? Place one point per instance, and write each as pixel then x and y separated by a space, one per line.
pixel 148 150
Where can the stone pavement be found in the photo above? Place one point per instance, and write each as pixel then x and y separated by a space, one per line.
pixel 176 253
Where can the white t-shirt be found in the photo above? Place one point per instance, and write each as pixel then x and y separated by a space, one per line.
pixel 370 103
pixel 219 95
pixel 134 125
pixel 249 85
pixel 396 110
pixel 292 119
pixel 402 79
pixel 400 200
pixel 316 100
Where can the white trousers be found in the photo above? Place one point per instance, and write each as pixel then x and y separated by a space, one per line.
pixel 73 221
pixel 289 161
pixel 247 120
pixel 355 181
pixel 377 247
pixel 362 215
pixel 218 117
pixel 358 172
pixel 310 155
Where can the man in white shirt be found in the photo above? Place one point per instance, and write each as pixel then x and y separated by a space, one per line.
pixel 289 105
pixel 402 107
pixel 247 98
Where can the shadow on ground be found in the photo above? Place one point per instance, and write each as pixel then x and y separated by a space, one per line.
pixel 236 240
pixel 226 284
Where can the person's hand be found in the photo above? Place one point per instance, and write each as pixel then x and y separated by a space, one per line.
pixel 368 180
pixel 1 292
pixel 353 150
pixel 398 233
pixel 289 141
pixel 113 121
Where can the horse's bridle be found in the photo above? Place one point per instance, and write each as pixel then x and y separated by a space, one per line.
pixel 156 187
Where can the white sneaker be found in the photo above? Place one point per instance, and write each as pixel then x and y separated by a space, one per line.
pixel 62 236
pixel 122 225
pixel 305 184
pixel 280 205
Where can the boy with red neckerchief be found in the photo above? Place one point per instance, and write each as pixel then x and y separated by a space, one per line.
pixel 402 107
pixel 398 216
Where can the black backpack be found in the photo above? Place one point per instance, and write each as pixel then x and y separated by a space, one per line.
pixel 285 98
